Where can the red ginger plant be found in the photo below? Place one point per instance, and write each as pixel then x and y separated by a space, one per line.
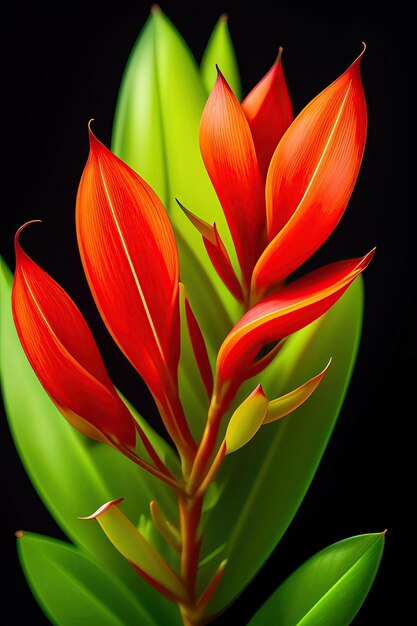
pixel 283 186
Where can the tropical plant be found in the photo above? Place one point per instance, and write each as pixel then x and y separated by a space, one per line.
pixel 189 258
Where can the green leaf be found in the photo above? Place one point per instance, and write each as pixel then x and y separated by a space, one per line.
pixel 155 131
pixel 72 589
pixel 72 475
pixel 268 478
pixel 329 588
pixel 220 51
pixel 134 546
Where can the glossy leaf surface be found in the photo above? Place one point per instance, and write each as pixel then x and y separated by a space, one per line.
pixel 58 459
pixel 329 588
pixel 266 475
pixel 155 131
pixel 72 589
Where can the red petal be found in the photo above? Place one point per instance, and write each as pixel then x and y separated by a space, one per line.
pixel 292 308
pixel 217 253
pixel 199 349
pixel 64 355
pixel 312 175
pixel 130 258
pixel 269 112
pixel 229 155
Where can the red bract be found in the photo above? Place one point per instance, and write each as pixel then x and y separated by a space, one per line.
pixel 310 177
pixel 292 308
pixel 64 356
pixel 130 258
pixel 229 155
pixel 269 113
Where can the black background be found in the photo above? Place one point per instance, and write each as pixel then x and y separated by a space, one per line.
pixel 63 66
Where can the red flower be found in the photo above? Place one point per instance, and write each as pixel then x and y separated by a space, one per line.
pixel 309 180
pixel 64 356
pixel 130 258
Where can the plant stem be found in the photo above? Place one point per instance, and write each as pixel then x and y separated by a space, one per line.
pixel 190 508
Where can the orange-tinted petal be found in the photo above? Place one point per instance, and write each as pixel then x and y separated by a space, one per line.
pixel 295 306
pixel 312 175
pixel 64 355
pixel 269 112
pixel 199 348
pixel 229 155
pixel 217 252
pixel 130 259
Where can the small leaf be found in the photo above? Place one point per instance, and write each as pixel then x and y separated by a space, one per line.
pixel 266 474
pixel 329 588
pixel 219 51
pixel 287 403
pixel 72 589
pixel 130 542
pixel 246 420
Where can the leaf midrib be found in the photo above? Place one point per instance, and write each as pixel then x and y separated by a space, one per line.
pixel 339 581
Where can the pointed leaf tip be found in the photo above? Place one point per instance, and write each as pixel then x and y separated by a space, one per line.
pixel 286 404
pixel 142 555
pixel 329 588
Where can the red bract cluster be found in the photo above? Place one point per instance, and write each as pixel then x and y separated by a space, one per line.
pixel 283 186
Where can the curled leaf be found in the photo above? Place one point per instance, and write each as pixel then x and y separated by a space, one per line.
pixel 137 550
